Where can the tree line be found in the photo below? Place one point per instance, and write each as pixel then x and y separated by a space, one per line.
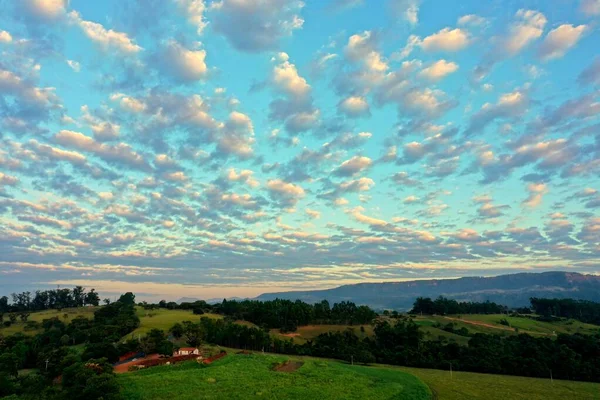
pixel 445 306
pixel 88 375
pixel 581 310
pixel 49 300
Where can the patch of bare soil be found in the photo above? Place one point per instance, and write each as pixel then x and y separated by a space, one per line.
pixel 288 366
pixel 293 334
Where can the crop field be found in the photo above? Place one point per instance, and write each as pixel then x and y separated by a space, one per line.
pixel 39 316
pixel 253 377
pixel 308 332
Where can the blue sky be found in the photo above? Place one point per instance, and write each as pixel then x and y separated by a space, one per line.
pixel 220 148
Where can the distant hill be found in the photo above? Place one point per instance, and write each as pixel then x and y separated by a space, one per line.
pixel 513 290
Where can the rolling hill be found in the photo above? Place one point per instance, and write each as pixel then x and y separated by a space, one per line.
pixel 513 290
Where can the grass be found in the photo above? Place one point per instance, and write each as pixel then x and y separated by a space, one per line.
pixel 308 332
pixel 164 319
pixel 39 316
pixel 251 377
pixel 468 385
pixel 523 324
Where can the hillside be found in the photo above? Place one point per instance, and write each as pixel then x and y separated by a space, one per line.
pixel 513 290
pixel 266 376
pixel 250 376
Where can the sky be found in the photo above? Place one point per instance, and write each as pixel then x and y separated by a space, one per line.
pixel 212 148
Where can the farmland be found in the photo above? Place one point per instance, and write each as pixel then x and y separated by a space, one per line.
pixel 308 332
pixel 243 376
pixel 490 324
pixel 251 377
pixel 39 316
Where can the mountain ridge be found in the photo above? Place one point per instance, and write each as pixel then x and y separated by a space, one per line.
pixel 513 290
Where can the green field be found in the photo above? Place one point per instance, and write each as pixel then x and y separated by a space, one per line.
pixel 252 377
pixel 248 377
pixel 308 332
pixel 490 324
pixel 471 386
pixel 164 319
pixel 39 316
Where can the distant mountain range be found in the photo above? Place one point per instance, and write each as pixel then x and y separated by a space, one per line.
pixel 513 290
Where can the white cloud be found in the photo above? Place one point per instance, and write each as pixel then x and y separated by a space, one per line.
pixel 5 37
pixel 438 70
pixel 407 10
pixel 313 214
pixel 472 20
pixel 528 26
pixel 286 78
pixel 353 166
pixel 446 40
pixel 536 193
pixel 560 40
pixel 288 193
pixel 106 38
pixel 194 10
pixel 45 10
pixel 74 65
pixel 237 135
pixel 120 153
pixel 354 106
pixel 590 7
pixel 183 64
pixel 255 26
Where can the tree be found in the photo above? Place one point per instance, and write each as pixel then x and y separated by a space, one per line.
pixel 93 379
pixel 106 301
pixel 24 316
pixel 9 364
pixel 127 298
pixel 192 333
pixel 78 296
pixel 92 298
pixel 4 304
pixel 12 317
pixel 177 330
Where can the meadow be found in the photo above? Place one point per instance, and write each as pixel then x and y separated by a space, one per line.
pixel 252 377
pixel 66 315
pixel 308 332
pixel 490 324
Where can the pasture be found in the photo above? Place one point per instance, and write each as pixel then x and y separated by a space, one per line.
pixel 471 386
pixel 66 315
pixel 490 324
pixel 308 332
pixel 253 376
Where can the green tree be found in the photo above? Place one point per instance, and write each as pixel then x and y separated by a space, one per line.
pixel 9 364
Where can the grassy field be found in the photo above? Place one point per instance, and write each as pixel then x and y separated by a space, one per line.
pixel 490 324
pixel 252 377
pixel 87 312
pixel 164 319
pixel 467 386
pixel 308 332
pixel 240 377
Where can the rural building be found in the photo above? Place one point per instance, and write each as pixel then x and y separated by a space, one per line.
pixel 184 351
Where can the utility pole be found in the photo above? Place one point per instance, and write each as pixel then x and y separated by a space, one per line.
pixel 450 370
pixel 47 361
pixel 352 360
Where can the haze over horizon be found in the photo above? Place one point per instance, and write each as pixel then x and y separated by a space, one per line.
pixel 209 149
